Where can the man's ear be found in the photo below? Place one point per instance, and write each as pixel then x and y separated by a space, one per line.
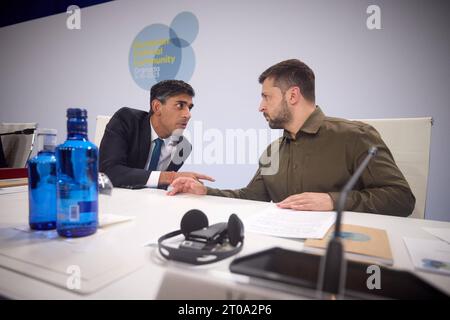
pixel 156 106
pixel 293 95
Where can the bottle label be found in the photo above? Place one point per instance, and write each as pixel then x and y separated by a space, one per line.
pixel 88 206
pixel 75 210
pixel 74 213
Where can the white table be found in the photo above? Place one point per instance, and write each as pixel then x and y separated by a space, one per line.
pixel 156 214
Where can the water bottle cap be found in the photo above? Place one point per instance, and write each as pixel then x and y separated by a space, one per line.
pixel 47 131
pixel 76 113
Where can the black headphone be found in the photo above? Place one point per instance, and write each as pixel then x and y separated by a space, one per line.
pixel 203 242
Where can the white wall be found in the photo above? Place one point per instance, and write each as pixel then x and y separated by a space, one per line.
pixel 402 70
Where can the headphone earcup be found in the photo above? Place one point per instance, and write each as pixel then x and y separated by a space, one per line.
pixel 193 220
pixel 235 230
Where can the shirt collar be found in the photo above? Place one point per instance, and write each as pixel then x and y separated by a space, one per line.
pixel 172 140
pixel 311 125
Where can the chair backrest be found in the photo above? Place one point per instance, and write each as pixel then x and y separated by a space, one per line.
pixel 100 126
pixel 409 141
pixel 17 148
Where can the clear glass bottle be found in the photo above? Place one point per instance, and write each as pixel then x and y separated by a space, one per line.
pixel 42 182
pixel 77 175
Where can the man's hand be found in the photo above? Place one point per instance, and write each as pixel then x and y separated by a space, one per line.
pixel 186 185
pixel 167 177
pixel 308 201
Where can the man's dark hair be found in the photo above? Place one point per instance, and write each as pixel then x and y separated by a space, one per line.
pixel 289 73
pixel 169 88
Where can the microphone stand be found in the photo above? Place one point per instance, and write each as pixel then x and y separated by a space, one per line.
pixel 333 266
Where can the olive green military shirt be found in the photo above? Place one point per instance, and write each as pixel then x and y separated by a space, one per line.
pixel 324 154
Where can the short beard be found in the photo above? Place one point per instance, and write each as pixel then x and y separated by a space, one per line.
pixel 282 118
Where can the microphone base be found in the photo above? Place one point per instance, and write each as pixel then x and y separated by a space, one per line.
pixel 332 269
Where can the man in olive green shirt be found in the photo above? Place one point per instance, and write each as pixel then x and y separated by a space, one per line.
pixel 316 155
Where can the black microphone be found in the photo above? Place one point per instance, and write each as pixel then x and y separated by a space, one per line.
pixel 24 131
pixel 333 267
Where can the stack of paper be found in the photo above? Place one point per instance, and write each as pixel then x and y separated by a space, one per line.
pixel 104 219
pixel 99 259
pixel 441 233
pixel 429 255
pixel 290 223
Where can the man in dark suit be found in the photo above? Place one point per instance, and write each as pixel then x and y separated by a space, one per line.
pixel 142 148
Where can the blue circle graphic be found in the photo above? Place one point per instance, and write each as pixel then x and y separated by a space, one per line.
pixel 159 53
pixel 354 236
pixel 187 67
pixel 185 29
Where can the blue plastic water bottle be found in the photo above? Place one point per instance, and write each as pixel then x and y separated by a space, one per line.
pixel 42 182
pixel 77 174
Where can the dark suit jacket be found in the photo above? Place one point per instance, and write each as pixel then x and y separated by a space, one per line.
pixel 125 148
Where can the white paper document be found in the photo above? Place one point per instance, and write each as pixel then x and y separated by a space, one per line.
pixel 441 233
pixel 290 223
pixel 429 255
pixel 104 219
pixel 101 259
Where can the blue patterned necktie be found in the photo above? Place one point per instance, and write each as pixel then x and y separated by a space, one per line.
pixel 155 154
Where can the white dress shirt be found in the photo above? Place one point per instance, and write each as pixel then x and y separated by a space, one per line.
pixel 167 150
